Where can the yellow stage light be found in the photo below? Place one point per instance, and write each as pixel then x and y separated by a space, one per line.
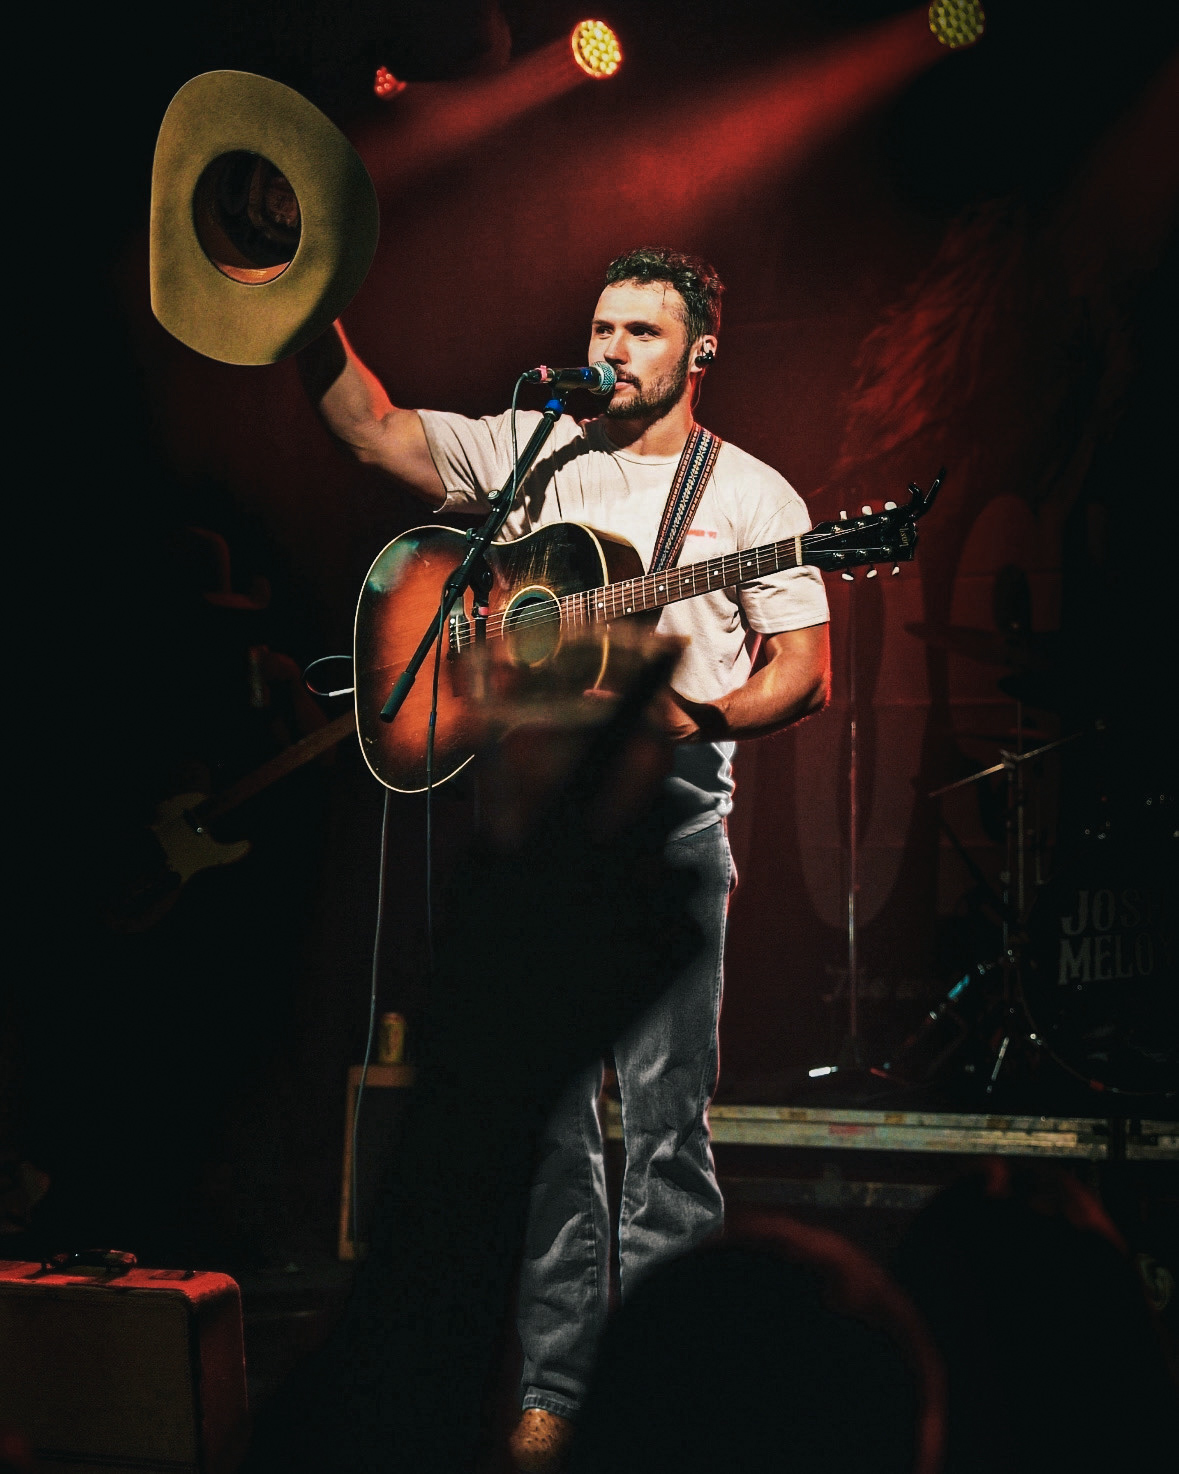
pixel 957 23
pixel 595 49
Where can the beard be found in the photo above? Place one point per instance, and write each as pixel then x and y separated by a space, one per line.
pixel 654 399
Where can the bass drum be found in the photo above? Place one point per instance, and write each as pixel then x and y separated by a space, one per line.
pixel 1100 985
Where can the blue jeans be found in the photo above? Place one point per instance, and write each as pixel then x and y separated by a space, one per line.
pixel 667 1067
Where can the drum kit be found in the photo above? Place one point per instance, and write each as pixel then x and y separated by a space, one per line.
pixel 1081 994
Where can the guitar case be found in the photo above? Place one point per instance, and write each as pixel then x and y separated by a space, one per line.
pixel 120 1370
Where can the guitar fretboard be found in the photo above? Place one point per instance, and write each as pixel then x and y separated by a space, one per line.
pixel 649 591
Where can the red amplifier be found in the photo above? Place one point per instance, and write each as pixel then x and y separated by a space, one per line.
pixel 120 1369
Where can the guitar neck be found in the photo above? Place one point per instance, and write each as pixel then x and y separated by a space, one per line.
pixel 304 751
pixel 654 590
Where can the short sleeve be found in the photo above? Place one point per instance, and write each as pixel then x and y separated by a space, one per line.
pixel 473 457
pixel 797 597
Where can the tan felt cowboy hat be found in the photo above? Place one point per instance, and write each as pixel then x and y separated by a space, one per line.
pixel 264 220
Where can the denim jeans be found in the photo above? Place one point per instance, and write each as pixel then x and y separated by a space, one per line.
pixel 667 1067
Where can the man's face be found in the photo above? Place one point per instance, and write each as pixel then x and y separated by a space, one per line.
pixel 640 331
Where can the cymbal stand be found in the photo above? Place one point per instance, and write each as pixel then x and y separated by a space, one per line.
pixel 1013 897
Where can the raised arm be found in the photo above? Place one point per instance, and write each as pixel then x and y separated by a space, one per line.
pixel 358 413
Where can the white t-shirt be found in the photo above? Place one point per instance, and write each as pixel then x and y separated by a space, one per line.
pixel 581 476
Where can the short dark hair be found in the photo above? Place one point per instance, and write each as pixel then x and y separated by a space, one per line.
pixel 693 278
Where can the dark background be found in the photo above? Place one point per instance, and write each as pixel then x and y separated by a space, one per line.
pixel 964 260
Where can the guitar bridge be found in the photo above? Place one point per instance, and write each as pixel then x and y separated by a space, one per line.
pixel 459 634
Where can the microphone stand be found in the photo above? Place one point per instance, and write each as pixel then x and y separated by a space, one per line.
pixel 850 1080
pixel 473 567
pixel 849 1055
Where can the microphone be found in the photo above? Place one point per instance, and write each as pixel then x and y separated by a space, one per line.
pixel 598 378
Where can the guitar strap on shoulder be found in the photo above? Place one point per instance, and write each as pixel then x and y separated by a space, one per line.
pixel 687 487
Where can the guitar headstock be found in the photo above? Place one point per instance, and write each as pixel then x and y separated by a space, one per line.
pixel 888 536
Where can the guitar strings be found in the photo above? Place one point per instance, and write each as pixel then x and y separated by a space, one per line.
pixel 550 613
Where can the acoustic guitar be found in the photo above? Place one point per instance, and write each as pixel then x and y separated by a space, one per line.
pixel 554 598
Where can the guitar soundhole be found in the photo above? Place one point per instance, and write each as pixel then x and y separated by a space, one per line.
pixel 532 626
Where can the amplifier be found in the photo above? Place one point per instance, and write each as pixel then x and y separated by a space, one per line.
pixel 134 1372
pixel 375 1136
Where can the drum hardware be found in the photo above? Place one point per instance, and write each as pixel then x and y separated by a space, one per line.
pixel 947 1028
pixel 1086 971
pixel 1099 973
pixel 984 1005
pixel 1015 873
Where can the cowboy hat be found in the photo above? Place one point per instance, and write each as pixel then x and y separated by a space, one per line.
pixel 264 220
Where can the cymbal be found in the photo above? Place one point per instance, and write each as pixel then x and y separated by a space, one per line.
pixel 1030 732
pixel 1016 652
pixel 1047 690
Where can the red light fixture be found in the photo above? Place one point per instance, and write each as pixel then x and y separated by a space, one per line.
pixel 385 84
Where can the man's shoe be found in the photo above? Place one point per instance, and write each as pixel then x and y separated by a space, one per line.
pixel 540 1442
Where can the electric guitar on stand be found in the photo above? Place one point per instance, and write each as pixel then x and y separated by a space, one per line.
pixel 179 843
pixel 554 598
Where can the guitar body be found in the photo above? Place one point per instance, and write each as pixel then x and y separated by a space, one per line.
pixel 174 848
pixel 400 598
pixel 189 847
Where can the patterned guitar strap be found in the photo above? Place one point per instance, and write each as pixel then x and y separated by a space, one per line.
pixel 687 487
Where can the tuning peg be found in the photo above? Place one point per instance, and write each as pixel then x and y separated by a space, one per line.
pixel 890 506
pixel 843 516
pixel 865 511
pixel 896 568
pixel 871 573
pixel 848 577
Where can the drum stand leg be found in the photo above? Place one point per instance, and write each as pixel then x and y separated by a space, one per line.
pixel 1017 1028
pixel 971 1009
pixel 999 1059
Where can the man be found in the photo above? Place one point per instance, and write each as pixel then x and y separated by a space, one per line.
pixel 656 325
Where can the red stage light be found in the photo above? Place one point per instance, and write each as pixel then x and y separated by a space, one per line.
pixel 595 49
pixel 385 84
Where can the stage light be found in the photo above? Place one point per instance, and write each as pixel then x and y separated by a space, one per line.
pixel 595 49
pixel 385 84
pixel 957 23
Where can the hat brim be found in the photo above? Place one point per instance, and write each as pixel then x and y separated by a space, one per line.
pixel 221 113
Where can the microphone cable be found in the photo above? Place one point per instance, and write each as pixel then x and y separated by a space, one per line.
pixel 515 445
pixel 374 974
